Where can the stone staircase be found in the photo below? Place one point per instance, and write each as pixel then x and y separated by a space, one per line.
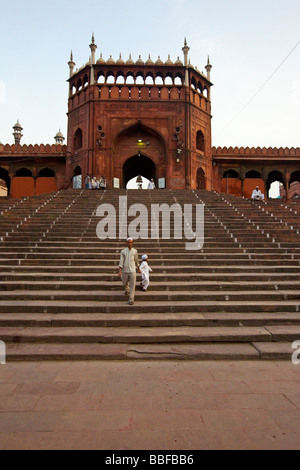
pixel 236 298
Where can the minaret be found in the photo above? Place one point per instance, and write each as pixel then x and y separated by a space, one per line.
pixel 59 138
pixel 208 68
pixel 93 49
pixel 71 64
pixel 185 53
pixel 93 59
pixel 185 50
pixel 17 133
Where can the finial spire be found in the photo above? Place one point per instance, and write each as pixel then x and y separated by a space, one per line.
pixel 93 49
pixel 208 68
pixel 71 64
pixel 185 50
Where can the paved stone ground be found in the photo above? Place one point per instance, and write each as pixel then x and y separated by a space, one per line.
pixel 150 405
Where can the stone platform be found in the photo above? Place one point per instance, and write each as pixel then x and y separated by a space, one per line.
pixel 150 405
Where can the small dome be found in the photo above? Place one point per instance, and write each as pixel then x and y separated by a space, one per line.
pixel 120 61
pixel 101 60
pixel 140 61
pixel 110 61
pixel 169 62
pixel 18 125
pixel 178 62
pixel 159 61
pixel 149 61
pixel 59 138
pixel 130 61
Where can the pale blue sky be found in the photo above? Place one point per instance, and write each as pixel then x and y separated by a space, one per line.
pixel 246 42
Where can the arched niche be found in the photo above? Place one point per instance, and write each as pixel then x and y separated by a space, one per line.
pixel 201 180
pixel 138 165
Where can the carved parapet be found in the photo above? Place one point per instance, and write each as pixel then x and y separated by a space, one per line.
pixel 257 152
pixel 32 150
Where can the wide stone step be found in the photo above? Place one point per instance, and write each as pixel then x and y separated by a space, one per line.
pixel 156 258
pixel 160 265
pixel 71 306
pixel 200 351
pixel 57 278
pixel 149 319
pixel 155 334
pixel 155 285
pixel 166 269
pixel 176 295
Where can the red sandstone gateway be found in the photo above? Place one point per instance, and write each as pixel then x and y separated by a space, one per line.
pixel 150 118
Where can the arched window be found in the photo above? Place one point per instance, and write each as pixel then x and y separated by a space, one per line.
pixel 231 174
pixel 24 172
pixel 120 79
pixel 110 79
pixel 47 173
pixel 178 80
pixel 101 79
pixel 79 85
pixel 275 175
pixel 295 185
pixel 78 139
pixel 139 79
pixel 149 80
pixel 85 81
pixel 295 177
pixel 129 79
pixel 253 174
pixel 159 80
pixel 200 142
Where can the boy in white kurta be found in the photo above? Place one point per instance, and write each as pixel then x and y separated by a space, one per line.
pixel 145 271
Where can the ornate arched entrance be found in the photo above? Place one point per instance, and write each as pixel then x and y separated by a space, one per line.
pixel 138 165
pixel 139 150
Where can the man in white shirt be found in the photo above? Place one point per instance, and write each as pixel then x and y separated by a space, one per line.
pixel 257 195
pixel 151 184
pixel 129 261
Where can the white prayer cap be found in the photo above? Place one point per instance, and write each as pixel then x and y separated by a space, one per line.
pixel 144 257
pixel 129 239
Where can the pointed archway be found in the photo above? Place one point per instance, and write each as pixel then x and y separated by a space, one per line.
pixel 201 184
pixel 138 165
pixel 5 177
pixel 139 150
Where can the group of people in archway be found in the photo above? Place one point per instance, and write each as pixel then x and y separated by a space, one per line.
pixel 96 183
